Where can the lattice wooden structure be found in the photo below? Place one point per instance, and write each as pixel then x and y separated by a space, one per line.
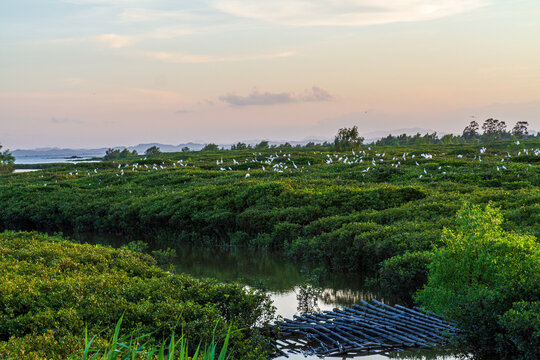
pixel 364 328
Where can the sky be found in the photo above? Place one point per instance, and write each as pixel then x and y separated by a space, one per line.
pixel 93 73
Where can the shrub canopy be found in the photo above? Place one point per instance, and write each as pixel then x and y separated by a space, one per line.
pixel 52 289
pixel 488 280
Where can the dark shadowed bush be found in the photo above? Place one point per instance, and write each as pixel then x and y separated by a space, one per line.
pixel 51 289
pixel 403 275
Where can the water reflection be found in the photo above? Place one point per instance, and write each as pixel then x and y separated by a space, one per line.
pixel 268 271
pixel 306 287
pixel 24 170
pixel 295 288
pixel 308 298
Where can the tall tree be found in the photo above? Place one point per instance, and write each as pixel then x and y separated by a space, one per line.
pixel 5 157
pixel 153 151
pixel 471 131
pixel 520 129
pixel 348 138
pixel 239 146
pixel 494 128
pixel 262 145
pixel 111 154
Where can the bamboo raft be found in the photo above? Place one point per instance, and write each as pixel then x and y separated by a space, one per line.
pixel 369 327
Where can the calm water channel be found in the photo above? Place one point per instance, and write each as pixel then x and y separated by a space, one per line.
pixel 293 287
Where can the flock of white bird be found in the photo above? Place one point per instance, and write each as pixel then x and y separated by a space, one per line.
pixel 280 162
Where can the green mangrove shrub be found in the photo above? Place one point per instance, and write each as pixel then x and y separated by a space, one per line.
pixel 339 214
pixel 487 280
pixel 51 289
pixel 402 276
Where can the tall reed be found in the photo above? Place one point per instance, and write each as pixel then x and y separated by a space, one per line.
pixel 138 347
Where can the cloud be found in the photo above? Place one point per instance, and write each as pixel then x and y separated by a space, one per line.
pixel 113 41
pixel 206 102
pixel 345 12
pixel 138 15
pixel 183 111
pixel 169 33
pixel 315 94
pixel 56 120
pixel 117 41
pixel 172 57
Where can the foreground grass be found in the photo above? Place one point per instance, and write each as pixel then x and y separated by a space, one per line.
pixel 134 346
pixel 52 289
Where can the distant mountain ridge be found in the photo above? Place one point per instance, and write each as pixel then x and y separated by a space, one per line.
pixel 141 148
pixel 58 152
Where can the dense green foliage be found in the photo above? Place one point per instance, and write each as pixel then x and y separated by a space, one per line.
pixel 493 129
pixel 52 289
pixel 210 147
pixel 345 211
pixel 373 208
pixel 403 275
pixel 153 151
pixel 112 154
pixel 5 157
pixel 488 281
pixel 347 139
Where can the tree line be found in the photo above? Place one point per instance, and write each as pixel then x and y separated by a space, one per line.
pixel 493 129
pixel 113 154
pixel 349 138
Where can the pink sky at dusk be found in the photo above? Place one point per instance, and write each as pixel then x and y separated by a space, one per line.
pixel 92 73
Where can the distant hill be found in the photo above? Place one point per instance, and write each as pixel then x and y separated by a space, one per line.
pixel 57 152
pixel 141 148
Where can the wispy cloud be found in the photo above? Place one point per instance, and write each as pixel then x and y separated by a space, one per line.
pixel 173 57
pixel 206 102
pixel 139 15
pixel 168 33
pixel 315 94
pixel 113 41
pixel 118 41
pixel 345 12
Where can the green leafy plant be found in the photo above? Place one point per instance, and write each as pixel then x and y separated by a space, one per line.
pixel 487 280
pixel 51 288
pixel 137 346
